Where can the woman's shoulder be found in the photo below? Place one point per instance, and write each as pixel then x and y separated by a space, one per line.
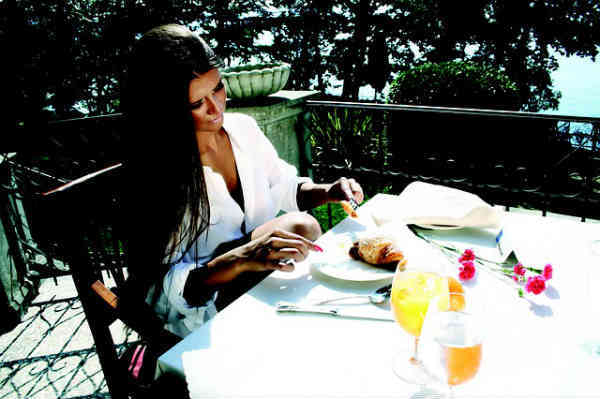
pixel 237 119
pixel 242 128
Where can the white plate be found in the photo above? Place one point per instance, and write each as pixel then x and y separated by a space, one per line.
pixel 336 262
pixel 438 227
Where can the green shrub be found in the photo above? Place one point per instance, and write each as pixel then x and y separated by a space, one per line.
pixel 455 84
pixel 347 137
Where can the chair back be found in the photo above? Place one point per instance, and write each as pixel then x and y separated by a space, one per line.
pixel 85 214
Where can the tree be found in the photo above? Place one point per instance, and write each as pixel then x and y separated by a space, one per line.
pixel 356 41
pixel 515 36
pixel 302 33
pixel 455 84
pixel 68 56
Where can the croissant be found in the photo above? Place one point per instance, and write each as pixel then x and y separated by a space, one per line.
pixel 378 251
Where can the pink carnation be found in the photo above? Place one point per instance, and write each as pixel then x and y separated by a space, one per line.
pixel 535 285
pixel 515 277
pixel 467 256
pixel 466 271
pixel 519 269
pixel 547 273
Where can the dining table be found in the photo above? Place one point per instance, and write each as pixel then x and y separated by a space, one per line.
pixel 534 346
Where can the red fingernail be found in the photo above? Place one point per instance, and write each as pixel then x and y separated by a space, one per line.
pixel 317 248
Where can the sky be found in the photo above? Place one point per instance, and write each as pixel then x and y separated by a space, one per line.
pixel 579 81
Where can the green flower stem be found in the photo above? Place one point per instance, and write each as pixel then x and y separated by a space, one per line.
pixel 481 260
pixel 531 269
pixel 504 271
pixel 453 249
pixel 493 267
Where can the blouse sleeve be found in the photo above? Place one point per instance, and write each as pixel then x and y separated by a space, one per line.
pixel 173 289
pixel 283 178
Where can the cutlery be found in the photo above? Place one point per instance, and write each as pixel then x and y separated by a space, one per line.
pixel 350 206
pixel 336 312
pixel 377 297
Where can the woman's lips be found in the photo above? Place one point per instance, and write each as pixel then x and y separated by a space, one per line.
pixel 217 119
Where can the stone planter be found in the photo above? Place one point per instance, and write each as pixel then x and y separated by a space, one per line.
pixel 257 80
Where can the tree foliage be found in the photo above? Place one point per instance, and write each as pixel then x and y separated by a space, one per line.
pixel 69 56
pixel 455 84
pixel 358 41
pixel 520 37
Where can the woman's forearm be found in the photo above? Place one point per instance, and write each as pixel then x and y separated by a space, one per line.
pixel 310 195
pixel 202 282
pixel 260 254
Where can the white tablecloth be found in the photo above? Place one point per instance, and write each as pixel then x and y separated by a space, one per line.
pixel 539 346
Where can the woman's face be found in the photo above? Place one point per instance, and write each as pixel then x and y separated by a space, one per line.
pixel 207 101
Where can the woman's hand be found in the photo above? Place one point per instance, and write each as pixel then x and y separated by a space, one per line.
pixel 345 189
pixel 271 251
pixel 311 195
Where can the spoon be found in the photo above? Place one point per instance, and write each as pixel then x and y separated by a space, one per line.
pixel 377 297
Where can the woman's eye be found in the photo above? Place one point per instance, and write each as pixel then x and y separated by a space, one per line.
pixel 196 104
pixel 219 86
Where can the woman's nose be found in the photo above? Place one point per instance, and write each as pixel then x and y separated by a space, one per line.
pixel 213 105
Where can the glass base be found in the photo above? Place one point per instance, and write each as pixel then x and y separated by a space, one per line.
pixel 429 393
pixel 409 369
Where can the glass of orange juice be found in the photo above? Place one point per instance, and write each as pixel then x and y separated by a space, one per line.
pixel 452 338
pixel 413 289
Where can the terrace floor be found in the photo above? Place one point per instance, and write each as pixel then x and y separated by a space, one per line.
pixel 51 354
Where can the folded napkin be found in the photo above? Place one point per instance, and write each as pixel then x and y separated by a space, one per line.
pixel 437 207
pixel 450 216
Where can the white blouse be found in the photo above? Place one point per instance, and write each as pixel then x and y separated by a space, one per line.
pixel 269 185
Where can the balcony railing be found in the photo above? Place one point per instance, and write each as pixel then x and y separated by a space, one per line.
pixel 514 159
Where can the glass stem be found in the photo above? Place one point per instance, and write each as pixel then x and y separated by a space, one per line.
pixel 450 392
pixel 415 357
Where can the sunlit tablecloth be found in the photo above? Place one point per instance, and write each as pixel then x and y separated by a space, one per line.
pixel 538 346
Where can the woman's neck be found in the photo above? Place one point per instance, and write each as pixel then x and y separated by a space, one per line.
pixel 216 152
pixel 211 143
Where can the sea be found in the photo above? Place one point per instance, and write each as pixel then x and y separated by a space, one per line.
pixel 578 79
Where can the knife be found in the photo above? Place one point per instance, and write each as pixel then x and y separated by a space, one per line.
pixel 331 311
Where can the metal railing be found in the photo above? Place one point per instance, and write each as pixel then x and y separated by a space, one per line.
pixel 515 159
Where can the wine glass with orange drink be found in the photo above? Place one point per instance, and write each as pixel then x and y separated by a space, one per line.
pixel 414 286
pixel 451 342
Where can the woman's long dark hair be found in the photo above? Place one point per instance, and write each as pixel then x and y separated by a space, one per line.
pixel 165 202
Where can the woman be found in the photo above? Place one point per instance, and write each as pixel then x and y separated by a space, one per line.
pixel 212 182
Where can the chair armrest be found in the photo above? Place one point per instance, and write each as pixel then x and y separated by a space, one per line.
pixel 106 294
pixel 81 179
